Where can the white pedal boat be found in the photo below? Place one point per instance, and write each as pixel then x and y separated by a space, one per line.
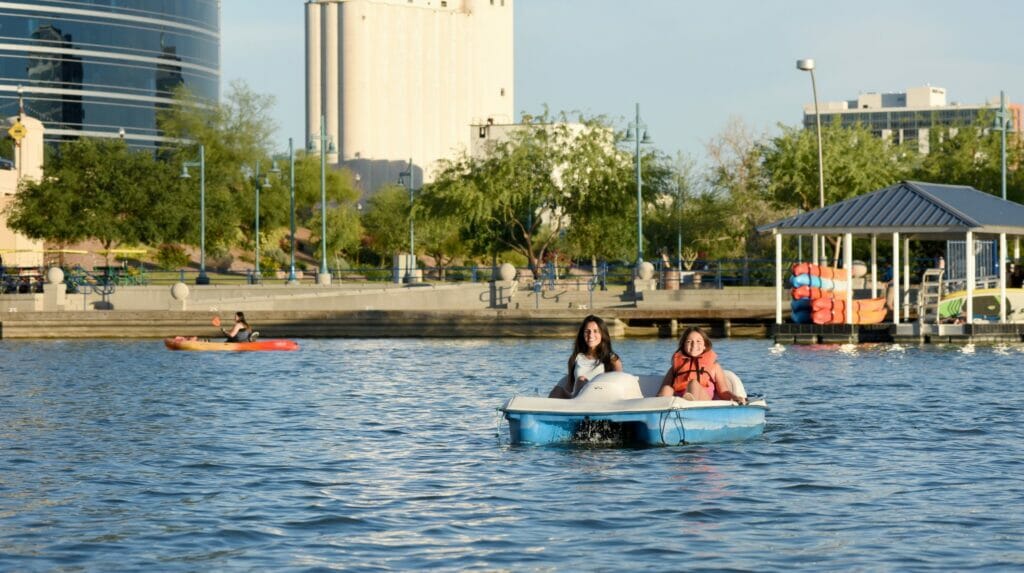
pixel 623 408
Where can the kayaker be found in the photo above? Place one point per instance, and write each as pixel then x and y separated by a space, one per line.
pixel 240 331
pixel 695 373
pixel 592 354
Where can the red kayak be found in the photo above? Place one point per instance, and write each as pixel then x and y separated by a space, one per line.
pixel 185 343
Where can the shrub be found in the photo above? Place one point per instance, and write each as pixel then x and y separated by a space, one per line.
pixel 379 275
pixel 171 257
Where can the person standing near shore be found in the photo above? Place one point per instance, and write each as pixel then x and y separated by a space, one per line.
pixel 592 354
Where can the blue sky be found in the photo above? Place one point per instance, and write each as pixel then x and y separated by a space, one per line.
pixel 691 66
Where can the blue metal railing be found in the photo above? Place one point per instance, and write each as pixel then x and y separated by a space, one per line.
pixel 711 273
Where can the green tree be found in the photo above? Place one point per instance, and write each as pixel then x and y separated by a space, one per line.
pixel 344 229
pixel 972 155
pixel 673 214
pixel 855 160
pixel 508 195
pixel 737 198
pixel 344 232
pixel 235 134
pixel 600 194
pixel 530 187
pixel 387 221
pixel 99 189
pixel 387 224
pixel 441 237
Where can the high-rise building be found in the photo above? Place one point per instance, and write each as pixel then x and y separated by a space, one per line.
pixel 907 116
pixel 396 80
pixel 96 67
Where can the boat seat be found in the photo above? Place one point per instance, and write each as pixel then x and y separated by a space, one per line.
pixel 611 386
pixel 735 384
pixel 254 335
pixel 650 384
pixel 622 385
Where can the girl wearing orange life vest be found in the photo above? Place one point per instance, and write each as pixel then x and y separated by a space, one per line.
pixel 695 373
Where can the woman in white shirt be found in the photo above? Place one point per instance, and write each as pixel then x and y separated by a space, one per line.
pixel 591 355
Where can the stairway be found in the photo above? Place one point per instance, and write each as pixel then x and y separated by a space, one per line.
pixel 929 296
pixel 568 296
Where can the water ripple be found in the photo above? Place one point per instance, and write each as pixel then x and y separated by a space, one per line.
pixel 385 455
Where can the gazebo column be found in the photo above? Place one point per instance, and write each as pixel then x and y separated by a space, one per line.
pixel 906 277
pixel 1002 277
pixel 895 285
pixel 969 256
pixel 874 265
pixel 848 265
pixel 778 276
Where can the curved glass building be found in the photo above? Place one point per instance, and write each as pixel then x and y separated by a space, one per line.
pixel 96 67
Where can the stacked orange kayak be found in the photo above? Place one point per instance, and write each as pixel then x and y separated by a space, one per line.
pixel 819 296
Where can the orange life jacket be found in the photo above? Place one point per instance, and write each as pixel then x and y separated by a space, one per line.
pixel 687 369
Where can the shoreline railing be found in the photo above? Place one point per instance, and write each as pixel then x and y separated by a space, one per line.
pixel 701 274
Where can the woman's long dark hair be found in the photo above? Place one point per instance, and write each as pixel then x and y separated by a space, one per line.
pixel 241 317
pixel 604 350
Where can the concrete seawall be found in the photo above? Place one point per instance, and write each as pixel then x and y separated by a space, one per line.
pixel 297 324
pixel 374 310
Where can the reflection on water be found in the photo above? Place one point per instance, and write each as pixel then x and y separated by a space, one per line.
pixel 386 454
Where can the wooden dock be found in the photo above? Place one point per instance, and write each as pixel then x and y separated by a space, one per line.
pixel 903 333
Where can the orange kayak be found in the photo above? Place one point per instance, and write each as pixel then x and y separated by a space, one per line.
pixel 185 343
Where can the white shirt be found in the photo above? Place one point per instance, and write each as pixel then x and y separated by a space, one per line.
pixel 587 367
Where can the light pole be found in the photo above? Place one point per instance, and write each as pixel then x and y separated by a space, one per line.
pixel 406 177
pixel 326 146
pixel 807 65
pixel 1003 124
pixel 202 279
pixel 800 240
pixel 291 186
pixel 260 185
pixel 637 132
pixel 679 225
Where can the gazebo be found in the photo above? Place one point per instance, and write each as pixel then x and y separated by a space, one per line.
pixel 908 210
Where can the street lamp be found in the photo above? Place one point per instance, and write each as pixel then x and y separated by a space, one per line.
pixel 291 186
pixel 326 146
pixel 679 224
pixel 807 65
pixel 637 132
pixel 202 279
pixel 406 177
pixel 260 185
pixel 1003 124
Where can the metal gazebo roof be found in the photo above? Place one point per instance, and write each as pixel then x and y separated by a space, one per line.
pixel 910 207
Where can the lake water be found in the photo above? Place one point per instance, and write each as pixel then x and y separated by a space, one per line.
pixel 389 455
